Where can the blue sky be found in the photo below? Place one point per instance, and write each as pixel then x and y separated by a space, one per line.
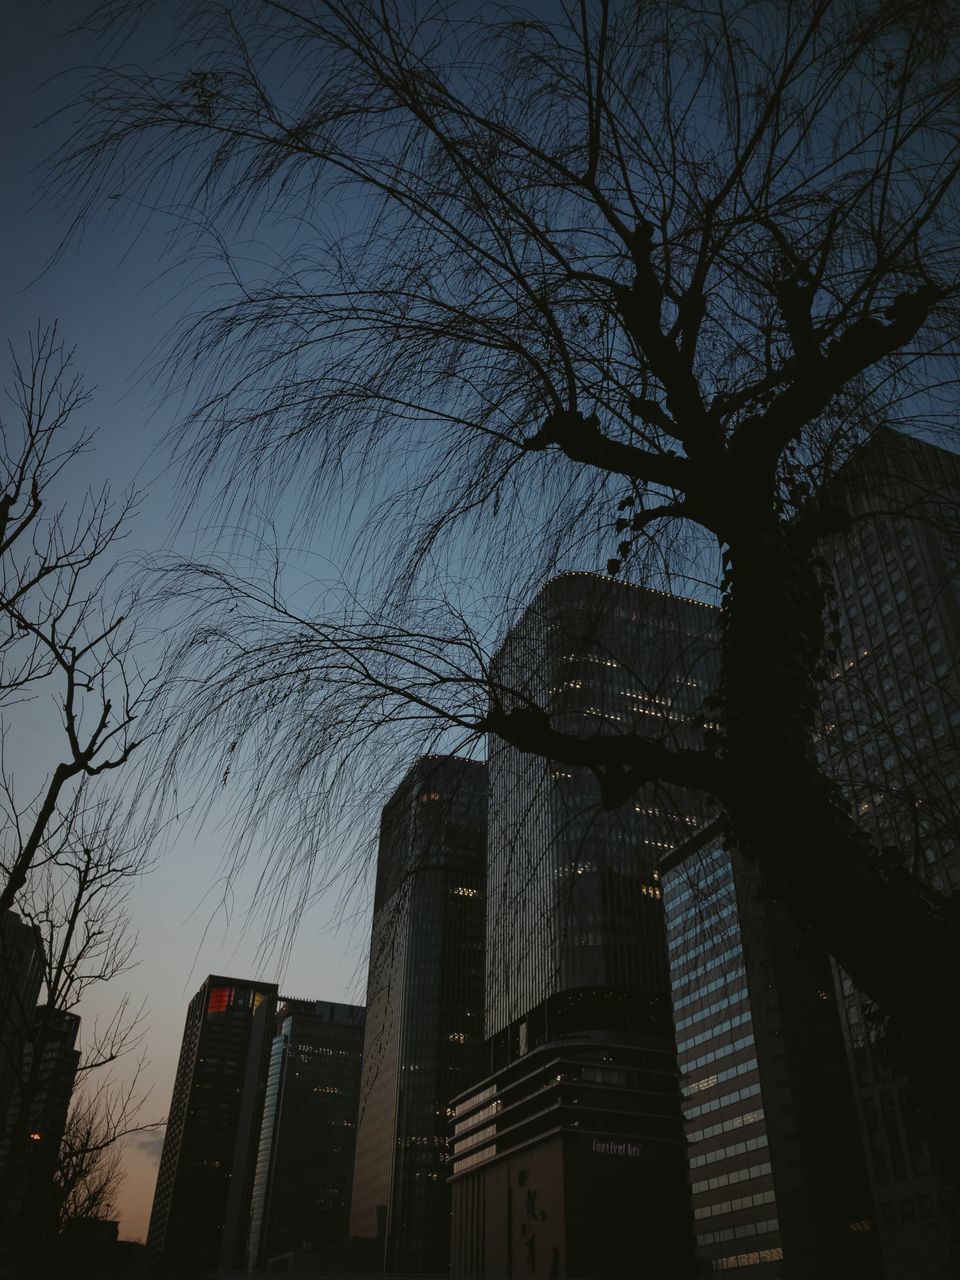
pixel 115 300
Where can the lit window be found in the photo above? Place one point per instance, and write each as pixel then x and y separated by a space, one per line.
pixel 221 998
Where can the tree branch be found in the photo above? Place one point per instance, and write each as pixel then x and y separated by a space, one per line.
pixel 581 439
pixel 628 755
pixel 819 377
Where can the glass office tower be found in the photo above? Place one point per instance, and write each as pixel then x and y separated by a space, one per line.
pixel 890 735
pixel 567 1155
pixel 201 1204
pixel 573 900
pixel 301 1191
pixel 424 1028
pixel 778 1178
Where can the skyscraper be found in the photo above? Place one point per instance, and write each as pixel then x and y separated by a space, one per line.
pixel 891 718
pixel 301 1190
pixel 567 1155
pixel 21 974
pixel 777 1172
pixel 424 1028
pixel 201 1203
pixel 573 904
pixel 891 737
pixel 50 1063
pixel 21 978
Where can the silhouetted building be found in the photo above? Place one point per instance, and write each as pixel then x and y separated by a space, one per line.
pixel 89 1249
pixel 568 1159
pixel 777 1171
pixel 201 1204
pixel 424 1033
pixel 21 976
pixel 301 1190
pixel 54 1034
pixel 49 1070
pixel 891 716
pixel 891 736
pixel 38 1066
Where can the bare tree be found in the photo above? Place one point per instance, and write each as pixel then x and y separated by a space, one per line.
pixel 52 603
pixel 69 851
pixel 626 285
pixel 75 901
pixel 89 1168
pixel 85 1176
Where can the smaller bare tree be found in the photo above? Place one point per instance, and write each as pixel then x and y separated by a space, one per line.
pixel 69 852
pixel 76 902
pixel 55 628
pixel 89 1168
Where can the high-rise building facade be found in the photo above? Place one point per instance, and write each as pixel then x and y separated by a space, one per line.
pixel 21 977
pixel 424 1027
pixel 777 1172
pixel 891 717
pixel 201 1203
pixel 301 1190
pixel 573 903
pixel 568 1161
pixel 568 1157
pixel 50 1063
pixel 890 735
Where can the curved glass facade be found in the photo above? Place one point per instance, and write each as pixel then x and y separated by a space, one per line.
pixel 573 894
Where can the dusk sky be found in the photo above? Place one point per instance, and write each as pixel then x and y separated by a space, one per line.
pixel 115 300
pixel 452 360
pixel 412 309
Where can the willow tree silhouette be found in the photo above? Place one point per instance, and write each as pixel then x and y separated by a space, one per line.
pixel 625 284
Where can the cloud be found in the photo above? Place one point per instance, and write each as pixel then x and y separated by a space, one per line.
pixel 150 1141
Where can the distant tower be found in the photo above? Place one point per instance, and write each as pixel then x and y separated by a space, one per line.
pixel 50 1084
pixel 56 1032
pixel 777 1171
pixel 201 1203
pixel 567 1154
pixel 424 1027
pixel 34 1090
pixel 21 976
pixel 301 1190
